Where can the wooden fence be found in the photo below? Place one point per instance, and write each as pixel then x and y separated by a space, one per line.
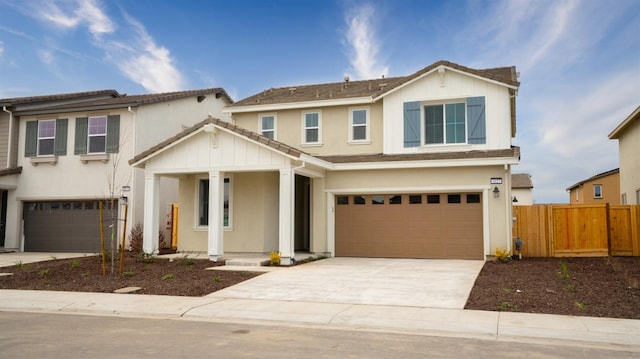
pixel 578 230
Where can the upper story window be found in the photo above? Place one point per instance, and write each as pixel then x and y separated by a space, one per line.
pixel 268 126
pixel 311 127
pixel 445 124
pixel 454 122
pixel 359 128
pixel 46 137
pixel 97 134
pixel 597 191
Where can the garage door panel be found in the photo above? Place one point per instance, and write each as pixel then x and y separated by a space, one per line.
pixel 410 230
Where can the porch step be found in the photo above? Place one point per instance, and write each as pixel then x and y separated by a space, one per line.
pixel 247 262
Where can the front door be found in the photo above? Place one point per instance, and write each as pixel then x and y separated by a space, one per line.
pixel 3 215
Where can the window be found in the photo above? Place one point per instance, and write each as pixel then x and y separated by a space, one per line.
pixel 203 203
pixel 433 198
pixel 342 200
pixel 268 126
pixel 46 137
pixel 597 191
pixel 97 134
pixel 378 199
pixel 445 124
pixel 623 198
pixel 453 198
pixel 358 199
pixel 415 199
pixel 638 196
pixel 475 198
pixel 395 199
pixel 311 128
pixel 359 125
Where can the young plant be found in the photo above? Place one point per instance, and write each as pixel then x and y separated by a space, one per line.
pixel 564 271
pixel 168 276
pixel 502 255
pixel 505 305
pixel 217 279
pixel 581 306
pixel 75 264
pixel 44 272
pixel 128 273
pixel 275 258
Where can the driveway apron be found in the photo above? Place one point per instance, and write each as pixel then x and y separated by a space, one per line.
pixel 429 283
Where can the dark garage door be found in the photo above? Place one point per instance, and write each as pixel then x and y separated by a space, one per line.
pixel 65 226
pixel 409 226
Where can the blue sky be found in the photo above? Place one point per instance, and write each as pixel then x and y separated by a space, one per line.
pixel 579 60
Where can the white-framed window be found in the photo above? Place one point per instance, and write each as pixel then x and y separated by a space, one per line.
pixel 638 196
pixel 445 123
pixel 312 127
pixel 97 134
pixel 267 125
pixel 203 203
pixel 623 198
pixel 46 137
pixel 359 124
pixel 597 191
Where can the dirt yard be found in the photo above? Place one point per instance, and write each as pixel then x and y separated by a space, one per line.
pixel 599 287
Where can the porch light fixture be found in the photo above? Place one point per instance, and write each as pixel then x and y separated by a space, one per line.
pixel 496 192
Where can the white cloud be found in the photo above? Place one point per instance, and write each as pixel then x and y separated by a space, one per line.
pixel 145 63
pixel 72 14
pixel 1 49
pixel 364 46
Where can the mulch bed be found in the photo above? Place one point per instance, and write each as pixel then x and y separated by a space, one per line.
pixel 181 277
pixel 596 287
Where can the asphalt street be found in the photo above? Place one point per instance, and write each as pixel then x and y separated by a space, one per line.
pixel 43 335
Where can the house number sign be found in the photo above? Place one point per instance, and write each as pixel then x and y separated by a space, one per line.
pixel 496 180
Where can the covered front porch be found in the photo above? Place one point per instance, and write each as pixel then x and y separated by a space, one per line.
pixel 238 192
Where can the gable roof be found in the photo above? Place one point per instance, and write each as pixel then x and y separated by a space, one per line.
pixel 599 175
pixel 634 117
pixel 124 101
pixel 521 180
pixel 77 96
pixel 200 126
pixel 373 89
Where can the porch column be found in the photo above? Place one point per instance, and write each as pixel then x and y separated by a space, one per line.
pixel 151 213
pixel 215 248
pixel 287 196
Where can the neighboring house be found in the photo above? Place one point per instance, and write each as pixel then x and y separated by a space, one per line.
pixel 601 188
pixel 69 152
pixel 414 167
pixel 521 189
pixel 628 135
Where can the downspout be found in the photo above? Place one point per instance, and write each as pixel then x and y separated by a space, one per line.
pixel 10 140
pixel 508 206
pixel 131 201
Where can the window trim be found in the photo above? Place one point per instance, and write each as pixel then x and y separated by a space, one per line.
pixel 39 138
pixel 595 192
pixel 305 141
pixel 367 125
pixel 275 125
pixel 423 122
pixel 197 201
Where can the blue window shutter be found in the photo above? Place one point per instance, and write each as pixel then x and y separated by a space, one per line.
pixel 31 139
pixel 60 142
pixel 113 133
pixel 412 124
pixel 80 147
pixel 477 131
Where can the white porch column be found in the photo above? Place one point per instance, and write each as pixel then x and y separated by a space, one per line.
pixel 151 213
pixel 286 223
pixel 215 232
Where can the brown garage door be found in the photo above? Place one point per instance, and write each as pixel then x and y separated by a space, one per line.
pixel 409 226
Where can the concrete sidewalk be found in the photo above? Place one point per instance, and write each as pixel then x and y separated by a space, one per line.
pixel 623 334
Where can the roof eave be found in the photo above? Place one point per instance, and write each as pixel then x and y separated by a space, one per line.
pixel 298 105
pixel 615 134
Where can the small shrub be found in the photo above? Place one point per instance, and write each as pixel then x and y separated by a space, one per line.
pixel 581 306
pixel 168 276
pixel 128 273
pixel 564 271
pixel 44 272
pixel 502 255
pixel 505 305
pixel 569 288
pixel 135 238
pixel 19 264
pixel 75 264
pixel 275 258
pixel 217 279
pixel 54 258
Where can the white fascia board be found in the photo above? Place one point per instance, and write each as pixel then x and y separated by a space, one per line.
pixel 616 131
pixel 450 69
pixel 316 161
pixel 297 105
pixel 425 164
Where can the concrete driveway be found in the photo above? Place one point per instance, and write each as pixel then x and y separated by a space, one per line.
pixel 12 258
pixel 431 283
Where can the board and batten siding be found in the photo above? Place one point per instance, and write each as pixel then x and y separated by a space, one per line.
pixel 456 86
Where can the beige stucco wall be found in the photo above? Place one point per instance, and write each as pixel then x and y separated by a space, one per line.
pixel 335 129
pixel 583 194
pixel 628 145
pixel 254 223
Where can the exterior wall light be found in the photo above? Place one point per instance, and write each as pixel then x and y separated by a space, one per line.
pixel 496 192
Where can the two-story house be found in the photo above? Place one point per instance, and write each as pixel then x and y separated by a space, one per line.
pixel 601 188
pixel 68 153
pixel 628 135
pixel 414 167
